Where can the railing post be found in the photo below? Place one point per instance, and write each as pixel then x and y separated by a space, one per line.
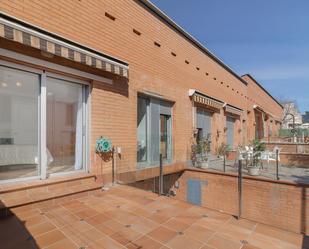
pixel 223 163
pixel 239 189
pixel 113 165
pixel 161 177
pixel 277 164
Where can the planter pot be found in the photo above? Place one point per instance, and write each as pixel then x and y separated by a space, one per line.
pixel 253 171
pixel 203 165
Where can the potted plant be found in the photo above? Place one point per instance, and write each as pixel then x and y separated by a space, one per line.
pixel 222 150
pixel 199 153
pixel 256 162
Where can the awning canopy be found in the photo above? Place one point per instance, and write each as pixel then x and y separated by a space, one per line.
pixel 203 99
pixel 233 110
pixel 266 113
pixel 52 44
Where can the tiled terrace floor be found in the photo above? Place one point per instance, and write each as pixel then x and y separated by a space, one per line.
pixel 126 217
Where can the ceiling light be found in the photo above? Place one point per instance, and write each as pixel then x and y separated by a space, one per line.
pixel 18 84
pixel 4 84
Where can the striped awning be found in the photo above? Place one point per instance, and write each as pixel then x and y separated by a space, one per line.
pixel 267 114
pixel 233 110
pixel 205 100
pixel 32 37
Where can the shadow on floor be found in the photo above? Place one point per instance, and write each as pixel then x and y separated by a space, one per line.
pixel 13 232
pixel 152 184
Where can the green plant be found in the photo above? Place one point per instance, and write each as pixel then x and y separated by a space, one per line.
pixel 258 148
pixel 200 151
pixel 222 150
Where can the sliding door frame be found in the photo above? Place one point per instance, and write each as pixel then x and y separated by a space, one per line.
pixel 42 110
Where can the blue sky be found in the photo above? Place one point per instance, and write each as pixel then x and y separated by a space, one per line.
pixel 267 38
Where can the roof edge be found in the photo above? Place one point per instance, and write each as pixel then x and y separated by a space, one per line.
pixel 247 74
pixel 154 9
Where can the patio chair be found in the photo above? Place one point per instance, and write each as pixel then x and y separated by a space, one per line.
pixel 272 154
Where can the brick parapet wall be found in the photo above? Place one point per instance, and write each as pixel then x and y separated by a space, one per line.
pixel 281 204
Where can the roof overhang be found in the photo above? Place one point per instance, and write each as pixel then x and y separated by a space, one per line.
pixel 31 36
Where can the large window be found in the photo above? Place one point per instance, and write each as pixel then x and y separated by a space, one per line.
pixel 154 131
pixel 230 125
pixel 203 124
pixel 259 125
pixel 19 112
pixel 64 125
pixel 43 121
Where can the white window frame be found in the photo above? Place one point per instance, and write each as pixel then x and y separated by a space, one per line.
pixel 43 74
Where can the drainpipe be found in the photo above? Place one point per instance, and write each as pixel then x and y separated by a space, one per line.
pixel 239 189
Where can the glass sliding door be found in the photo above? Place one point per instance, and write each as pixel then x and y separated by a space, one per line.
pixel 19 123
pixel 154 131
pixel 65 122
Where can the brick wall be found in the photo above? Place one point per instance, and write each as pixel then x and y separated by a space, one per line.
pixel 280 204
pixel 152 68
pixel 257 96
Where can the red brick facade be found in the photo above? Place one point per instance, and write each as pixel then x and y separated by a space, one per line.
pixel 161 61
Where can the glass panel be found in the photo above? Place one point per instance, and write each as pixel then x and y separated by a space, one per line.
pixel 230 131
pixel 163 136
pixel 64 125
pixel 142 121
pixel 203 123
pixel 19 128
pixel 259 130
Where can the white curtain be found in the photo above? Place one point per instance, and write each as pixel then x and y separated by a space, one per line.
pixel 79 133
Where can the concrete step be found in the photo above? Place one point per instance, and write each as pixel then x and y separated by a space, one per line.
pixel 31 194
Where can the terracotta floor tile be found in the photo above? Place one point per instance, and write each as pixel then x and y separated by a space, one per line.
pixel 273 232
pixel 26 213
pixel 144 225
pixel 114 225
pixel 63 244
pixel 106 243
pixel 86 213
pixel 233 232
pixel 105 229
pixel 248 246
pixel 63 220
pixel 183 241
pixel 80 226
pixel 34 220
pixel 222 243
pixel 49 238
pixel 159 217
pixel 176 225
pixel 126 218
pixel 162 234
pixel 137 219
pixel 247 224
pixel 97 220
pixel 211 223
pixel 199 233
pixel 125 235
pixel 41 228
pixel 93 234
pixel 144 242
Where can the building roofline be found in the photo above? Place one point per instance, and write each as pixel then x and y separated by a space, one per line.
pixel 263 89
pixel 159 13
